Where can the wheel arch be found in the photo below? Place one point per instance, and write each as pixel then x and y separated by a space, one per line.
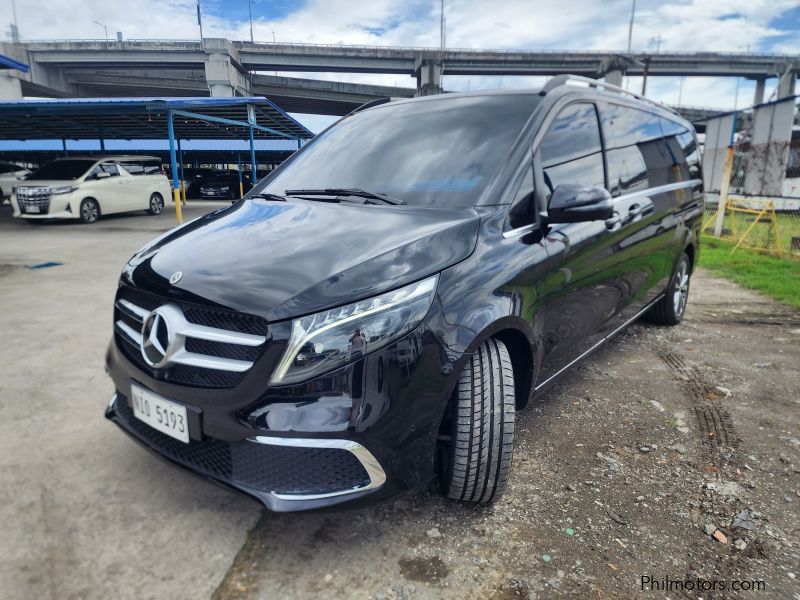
pixel 519 338
pixel 96 201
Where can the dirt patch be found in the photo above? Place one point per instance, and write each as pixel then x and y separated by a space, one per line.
pixel 426 570
pixel 671 452
pixel 6 269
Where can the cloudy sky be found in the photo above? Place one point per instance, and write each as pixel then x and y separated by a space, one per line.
pixel 669 25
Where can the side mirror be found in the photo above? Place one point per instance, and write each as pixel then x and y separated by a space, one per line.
pixel 572 203
pixel 102 175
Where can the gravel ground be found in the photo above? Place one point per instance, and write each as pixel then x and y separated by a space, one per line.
pixel 673 452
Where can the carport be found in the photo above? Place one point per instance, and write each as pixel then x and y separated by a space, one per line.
pixel 151 118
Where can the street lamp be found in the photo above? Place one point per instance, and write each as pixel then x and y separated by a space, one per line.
pixel 104 29
pixel 250 8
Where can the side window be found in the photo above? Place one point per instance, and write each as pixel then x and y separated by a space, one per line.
pixel 522 207
pixel 571 150
pixel 110 168
pixel 133 168
pixel 627 171
pixel 691 152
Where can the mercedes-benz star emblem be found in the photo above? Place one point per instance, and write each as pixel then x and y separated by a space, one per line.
pixel 176 277
pixel 156 338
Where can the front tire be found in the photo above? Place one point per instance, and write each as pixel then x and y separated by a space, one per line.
pixel 89 211
pixel 156 204
pixel 671 308
pixel 482 438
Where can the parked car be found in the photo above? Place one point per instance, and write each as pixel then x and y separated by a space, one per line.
pixel 221 186
pixel 193 178
pixel 10 175
pixel 86 188
pixel 428 283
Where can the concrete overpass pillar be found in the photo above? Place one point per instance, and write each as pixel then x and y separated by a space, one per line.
pixel 10 87
pixel 225 76
pixel 613 78
pixel 429 77
pixel 786 84
pixel 759 97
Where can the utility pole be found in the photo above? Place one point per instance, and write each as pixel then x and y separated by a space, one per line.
pixel 200 21
pixel 441 26
pixel 630 27
pixel 680 90
pixel 250 8
pixel 14 28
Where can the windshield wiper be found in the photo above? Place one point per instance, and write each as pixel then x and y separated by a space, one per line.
pixel 277 197
pixel 347 192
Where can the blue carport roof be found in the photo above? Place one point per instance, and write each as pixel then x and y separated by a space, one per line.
pixel 144 118
pixel 6 62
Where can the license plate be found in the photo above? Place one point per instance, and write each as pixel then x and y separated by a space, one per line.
pixel 32 209
pixel 164 415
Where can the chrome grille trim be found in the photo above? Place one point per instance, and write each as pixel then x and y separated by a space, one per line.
pixel 28 197
pixel 137 312
pixel 183 329
pixel 134 336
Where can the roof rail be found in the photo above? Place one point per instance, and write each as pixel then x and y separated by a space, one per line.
pixel 560 80
pixel 370 104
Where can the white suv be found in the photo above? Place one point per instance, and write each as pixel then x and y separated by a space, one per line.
pixel 10 176
pixel 85 188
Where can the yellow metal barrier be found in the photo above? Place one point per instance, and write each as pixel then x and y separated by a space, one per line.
pixel 176 198
pixel 241 189
pixel 769 237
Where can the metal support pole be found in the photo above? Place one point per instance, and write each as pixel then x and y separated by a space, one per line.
pixel 183 181
pixel 254 166
pixel 64 146
pixel 173 162
pixel 241 184
pixel 100 135
pixel 726 181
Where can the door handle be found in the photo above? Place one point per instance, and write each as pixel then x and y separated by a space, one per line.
pixel 635 210
pixel 614 222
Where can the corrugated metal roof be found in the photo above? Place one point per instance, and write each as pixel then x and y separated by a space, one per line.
pixel 142 118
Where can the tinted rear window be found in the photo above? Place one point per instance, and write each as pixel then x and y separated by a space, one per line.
pixel 437 152
pixel 62 169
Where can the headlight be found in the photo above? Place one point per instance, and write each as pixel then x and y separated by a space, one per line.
pixel 64 190
pixel 225 188
pixel 327 340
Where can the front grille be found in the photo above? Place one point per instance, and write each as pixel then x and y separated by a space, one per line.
pixel 207 363
pixel 34 200
pixel 282 469
pixel 210 456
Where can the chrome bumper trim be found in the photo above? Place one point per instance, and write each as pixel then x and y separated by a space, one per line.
pixel 377 476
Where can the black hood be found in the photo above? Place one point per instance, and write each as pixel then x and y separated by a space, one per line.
pixel 285 259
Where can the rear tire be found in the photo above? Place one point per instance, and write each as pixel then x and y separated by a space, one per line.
pixel 671 308
pixel 156 204
pixel 89 211
pixel 482 439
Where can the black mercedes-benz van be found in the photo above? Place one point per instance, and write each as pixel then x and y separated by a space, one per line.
pixel 374 312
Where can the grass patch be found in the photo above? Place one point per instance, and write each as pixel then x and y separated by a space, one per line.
pixel 778 278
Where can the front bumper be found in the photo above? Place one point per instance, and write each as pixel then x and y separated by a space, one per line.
pixel 285 474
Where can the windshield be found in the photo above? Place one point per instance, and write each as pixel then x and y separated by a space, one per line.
pixel 438 152
pixel 63 169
